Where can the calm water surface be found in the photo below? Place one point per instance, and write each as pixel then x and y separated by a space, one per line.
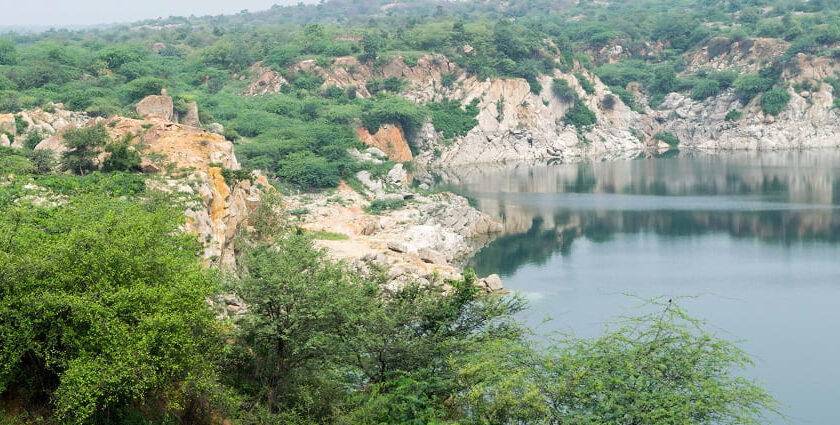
pixel 754 236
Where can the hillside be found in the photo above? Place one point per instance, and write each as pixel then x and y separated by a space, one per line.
pixel 554 80
pixel 228 219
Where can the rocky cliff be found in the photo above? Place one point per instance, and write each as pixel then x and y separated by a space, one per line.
pixel 515 124
pixel 188 162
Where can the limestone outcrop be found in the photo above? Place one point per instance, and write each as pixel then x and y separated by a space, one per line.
pixel 807 122
pixel 264 81
pixel 218 208
pixel 422 240
pixel 38 122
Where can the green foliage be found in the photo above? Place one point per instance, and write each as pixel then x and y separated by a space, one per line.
pixel 580 116
pixel 104 308
pixel 561 89
pixel 308 170
pixel 13 162
pixel 83 145
pixel 449 118
pixel 585 83
pixel 33 139
pixel 661 368
pixel 705 88
pixel 122 156
pixel 667 138
pixel 388 109
pixel 608 102
pixel 328 236
pixel 774 101
pixel 733 115
pixel 748 86
pixel 378 206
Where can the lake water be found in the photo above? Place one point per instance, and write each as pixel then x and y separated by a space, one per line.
pixel 754 236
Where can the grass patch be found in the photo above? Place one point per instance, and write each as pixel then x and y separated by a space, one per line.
pixel 322 235
pixel 380 205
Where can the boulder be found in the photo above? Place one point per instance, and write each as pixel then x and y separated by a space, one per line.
pixel 4 140
pixel 159 106
pixel 397 175
pixel 367 180
pixel 398 246
pixel 431 256
pixel 493 283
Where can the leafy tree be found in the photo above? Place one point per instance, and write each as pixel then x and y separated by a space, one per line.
pixel 103 307
pixel 662 368
pixel 83 145
pixel 122 156
pixel 8 52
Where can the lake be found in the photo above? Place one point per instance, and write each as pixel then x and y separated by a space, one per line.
pixel 754 236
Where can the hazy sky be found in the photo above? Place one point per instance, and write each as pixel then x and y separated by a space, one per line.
pixel 89 12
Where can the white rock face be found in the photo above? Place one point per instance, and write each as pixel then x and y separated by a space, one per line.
pixel 807 122
pixel 516 124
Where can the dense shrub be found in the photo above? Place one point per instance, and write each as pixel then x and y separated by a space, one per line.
pixel 748 86
pixel 308 170
pixel 774 101
pixel 449 118
pixel 585 84
pixel 103 310
pixel 378 206
pixel 608 102
pixel 561 89
pixel 733 115
pixel 580 116
pixel 704 89
pixel 393 110
pixel 667 138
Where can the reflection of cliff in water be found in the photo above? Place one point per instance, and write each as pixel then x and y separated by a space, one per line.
pixel 784 197
pixel 542 240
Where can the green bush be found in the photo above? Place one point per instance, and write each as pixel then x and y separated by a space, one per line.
pixel 733 115
pixel 308 170
pixel 378 206
pixel 608 102
pixel 774 101
pixel 449 118
pixel 561 89
pixel 585 83
pixel 389 109
pixel 705 88
pixel 667 138
pixel 580 116
pixel 748 86
pixel 105 300
pixel 122 156
pixel 83 146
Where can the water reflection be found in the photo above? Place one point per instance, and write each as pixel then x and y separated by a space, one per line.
pixel 753 235
pixel 784 198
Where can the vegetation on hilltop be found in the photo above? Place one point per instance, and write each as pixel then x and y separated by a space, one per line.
pixel 105 71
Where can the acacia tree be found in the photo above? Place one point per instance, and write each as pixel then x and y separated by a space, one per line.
pixel 658 369
pixel 103 309
pixel 83 145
